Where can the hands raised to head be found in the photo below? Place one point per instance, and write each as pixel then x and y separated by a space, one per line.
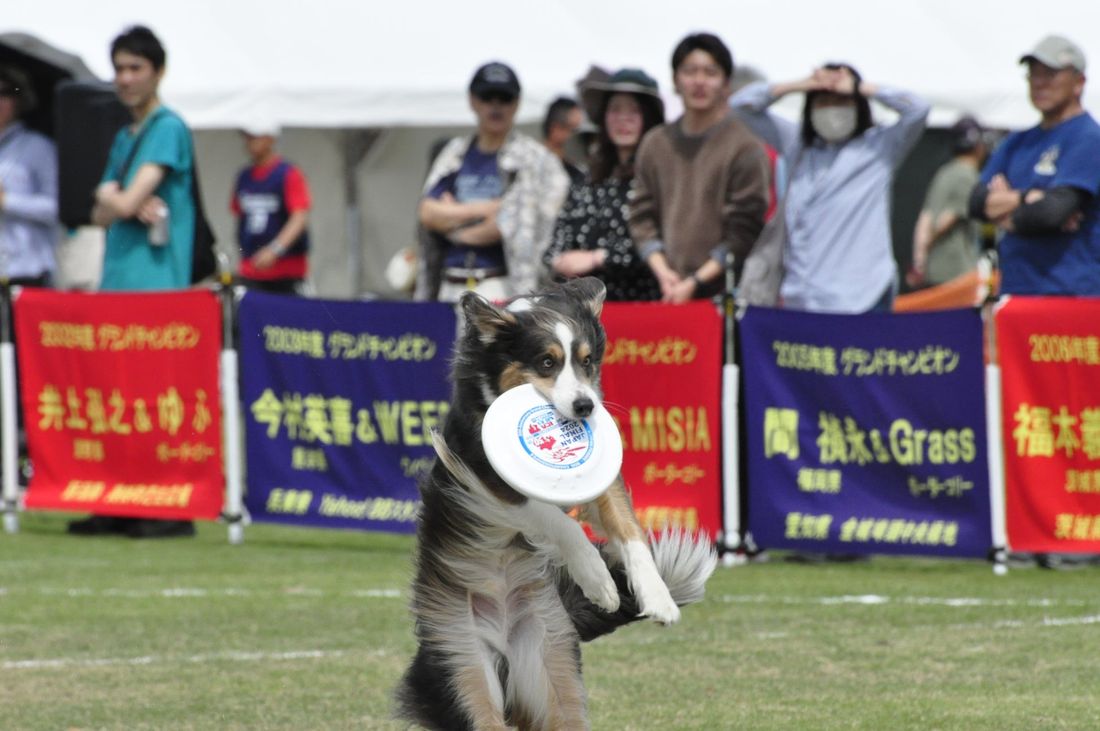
pixel 836 81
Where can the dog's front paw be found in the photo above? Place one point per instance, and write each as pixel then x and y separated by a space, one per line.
pixel 592 576
pixel 656 603
pixel 605 596
pixel 654 599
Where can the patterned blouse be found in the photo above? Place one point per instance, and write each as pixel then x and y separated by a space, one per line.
pixel 594 217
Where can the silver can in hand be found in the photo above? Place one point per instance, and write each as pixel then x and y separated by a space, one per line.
pixel 158 230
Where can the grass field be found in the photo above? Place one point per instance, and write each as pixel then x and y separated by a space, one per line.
pixel 302 629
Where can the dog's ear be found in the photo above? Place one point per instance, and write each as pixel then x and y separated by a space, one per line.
pixel 590 291
pixel 484 317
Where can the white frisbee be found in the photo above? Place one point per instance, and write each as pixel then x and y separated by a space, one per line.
pixel 548 458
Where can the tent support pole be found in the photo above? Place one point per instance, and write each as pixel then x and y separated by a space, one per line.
pixel 356 143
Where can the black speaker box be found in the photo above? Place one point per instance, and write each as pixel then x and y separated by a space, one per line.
pixel 87 115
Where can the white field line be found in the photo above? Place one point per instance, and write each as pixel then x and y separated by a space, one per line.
pixel 233 656
pixel 377 593
pixel 1088 619
pixel 879 599
pixel 875 600
pixel 185 592
pixel 1051 622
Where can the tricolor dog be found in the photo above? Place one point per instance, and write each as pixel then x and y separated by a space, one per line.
pixel 507 587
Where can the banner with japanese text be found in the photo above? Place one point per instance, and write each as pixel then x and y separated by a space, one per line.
pixel 340 399
pixel 661 378
pixel 866 433
pixel 120 402
pixel 1049 350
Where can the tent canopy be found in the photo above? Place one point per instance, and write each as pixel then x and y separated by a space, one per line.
pixel 346 63
pixel 46 66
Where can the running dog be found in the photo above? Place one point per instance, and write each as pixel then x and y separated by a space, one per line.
pixel 506 588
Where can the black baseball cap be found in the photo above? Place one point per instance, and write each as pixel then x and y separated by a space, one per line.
pixel 495 78
pixel 967 133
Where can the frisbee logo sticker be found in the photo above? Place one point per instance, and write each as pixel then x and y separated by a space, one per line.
pixel 563 445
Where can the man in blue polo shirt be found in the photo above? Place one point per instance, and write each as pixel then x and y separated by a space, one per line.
pixel 1042 185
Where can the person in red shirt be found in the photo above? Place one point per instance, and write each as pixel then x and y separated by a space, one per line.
pixel 271 201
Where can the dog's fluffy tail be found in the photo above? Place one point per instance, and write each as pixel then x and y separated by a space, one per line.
pixel 684 561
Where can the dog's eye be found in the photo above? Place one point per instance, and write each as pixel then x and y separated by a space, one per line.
pixel 547 363
pixel 587 362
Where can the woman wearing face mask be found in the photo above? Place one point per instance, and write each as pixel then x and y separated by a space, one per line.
pixel 839 256
pixel 591 236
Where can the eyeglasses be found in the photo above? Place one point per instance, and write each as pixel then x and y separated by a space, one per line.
pixel 497 96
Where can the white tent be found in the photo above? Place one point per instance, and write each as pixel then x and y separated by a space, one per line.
pixel 347 77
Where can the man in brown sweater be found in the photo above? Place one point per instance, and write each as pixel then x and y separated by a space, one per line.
pixel 701 185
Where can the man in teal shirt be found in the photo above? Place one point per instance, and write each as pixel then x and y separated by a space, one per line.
pixel 145 199
pixel 145 202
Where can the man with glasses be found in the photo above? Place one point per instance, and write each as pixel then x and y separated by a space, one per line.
pixel 1041 185
pixel 490 201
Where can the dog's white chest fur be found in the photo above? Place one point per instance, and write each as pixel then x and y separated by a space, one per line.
pixel 513 608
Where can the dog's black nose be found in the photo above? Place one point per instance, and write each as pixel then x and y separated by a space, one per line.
pixel 582 407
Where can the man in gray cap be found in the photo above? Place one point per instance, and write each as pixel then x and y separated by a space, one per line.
pixel 1042 185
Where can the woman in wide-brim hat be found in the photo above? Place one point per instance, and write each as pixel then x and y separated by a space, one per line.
pixel 591 236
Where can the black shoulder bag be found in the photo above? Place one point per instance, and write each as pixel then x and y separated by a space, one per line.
pixel 204 262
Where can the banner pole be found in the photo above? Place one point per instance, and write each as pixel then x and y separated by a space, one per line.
pixel 731 475
pixel 995 448
pixel 9 422
pixel 731 492
pixel 231 415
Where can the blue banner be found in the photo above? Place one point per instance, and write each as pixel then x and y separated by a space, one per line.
pixel 340 399
pixel 866 433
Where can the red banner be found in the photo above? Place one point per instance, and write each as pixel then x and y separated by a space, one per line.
pixel 1050 363
pixel 120 402
pixel 662 382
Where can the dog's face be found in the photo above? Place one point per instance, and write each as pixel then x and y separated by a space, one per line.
pixel 553 341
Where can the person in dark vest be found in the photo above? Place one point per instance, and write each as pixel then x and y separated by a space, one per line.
pixel 271 202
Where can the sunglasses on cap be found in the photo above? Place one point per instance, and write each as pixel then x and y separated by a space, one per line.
pixel 497 96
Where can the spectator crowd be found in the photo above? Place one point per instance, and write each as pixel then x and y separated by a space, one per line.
pixel 659 209
pixel 799 211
